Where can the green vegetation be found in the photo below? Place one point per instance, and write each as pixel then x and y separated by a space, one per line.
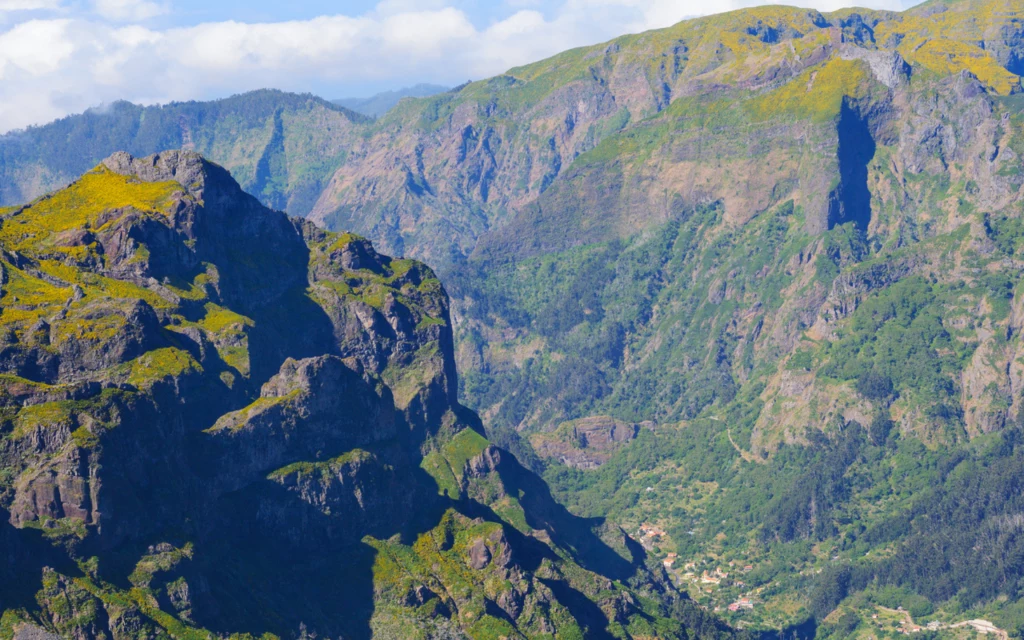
pixel 791 509
pixel 447 465
pixel 24 299
pixel 593 304
pixel 755 235
pixel 816 94
pixel 465 446
pixel 79 206
pixel 322 469
pixel 160 365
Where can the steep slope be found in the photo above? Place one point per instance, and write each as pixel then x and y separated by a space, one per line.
pixel 597 142
pixel 782 247
pixel 844 188
pixel 280 146
pixel 217 419
pixel 805 295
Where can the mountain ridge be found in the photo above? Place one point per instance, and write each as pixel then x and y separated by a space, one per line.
pixel 245 131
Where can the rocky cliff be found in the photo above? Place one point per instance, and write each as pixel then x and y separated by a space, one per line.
pixel 218 419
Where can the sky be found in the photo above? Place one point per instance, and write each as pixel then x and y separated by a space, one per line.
pixel 59 57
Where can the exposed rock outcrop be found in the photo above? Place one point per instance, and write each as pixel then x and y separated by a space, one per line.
pixel 586 443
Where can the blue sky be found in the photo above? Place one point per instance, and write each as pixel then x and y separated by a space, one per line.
pixel 257 11
pixel 64 56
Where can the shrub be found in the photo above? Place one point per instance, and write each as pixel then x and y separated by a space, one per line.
pixel 874 386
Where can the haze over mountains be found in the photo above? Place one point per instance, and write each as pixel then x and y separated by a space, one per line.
pixel 750 282
pixel 377 105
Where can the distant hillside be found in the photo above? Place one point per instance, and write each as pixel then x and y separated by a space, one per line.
pixel 279 146
pixel 377 105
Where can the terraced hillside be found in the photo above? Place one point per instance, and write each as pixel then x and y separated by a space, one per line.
pixel 215 419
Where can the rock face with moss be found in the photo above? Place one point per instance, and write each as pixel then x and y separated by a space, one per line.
pixel 585 443
pixel 217 419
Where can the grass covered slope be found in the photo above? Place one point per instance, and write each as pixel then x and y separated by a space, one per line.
pixel 216 420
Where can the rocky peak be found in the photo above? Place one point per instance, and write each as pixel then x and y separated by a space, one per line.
pixel 205 386
pixel 205 181
pixel 187 168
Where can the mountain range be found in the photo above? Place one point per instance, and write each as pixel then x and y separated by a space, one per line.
pixel 748 281
pixel 377 105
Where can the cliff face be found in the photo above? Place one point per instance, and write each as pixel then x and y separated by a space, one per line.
pixel 748 108
pixel 797 164
pixel 215 418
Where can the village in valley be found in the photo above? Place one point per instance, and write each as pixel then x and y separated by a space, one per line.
pixel 718 585
pixel 709 581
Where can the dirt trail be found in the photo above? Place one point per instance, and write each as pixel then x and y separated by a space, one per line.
pixel 746 455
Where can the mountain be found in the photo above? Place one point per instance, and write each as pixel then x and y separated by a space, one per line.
pixel 280 146
pixel 377 105
pixel 612 139
pixel 778 248
pixel 747 285
pixel 216 419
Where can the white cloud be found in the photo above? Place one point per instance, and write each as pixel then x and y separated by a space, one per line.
pixel 49 68
pixel 34 48
pixel 425 32
pixel 28 5
pixel 128 10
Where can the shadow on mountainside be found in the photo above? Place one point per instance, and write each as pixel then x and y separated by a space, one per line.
pixel 806 630
pixel 568 531
pixel 851 200
pixel 23 555
pixel 587 614
pixel 266 560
